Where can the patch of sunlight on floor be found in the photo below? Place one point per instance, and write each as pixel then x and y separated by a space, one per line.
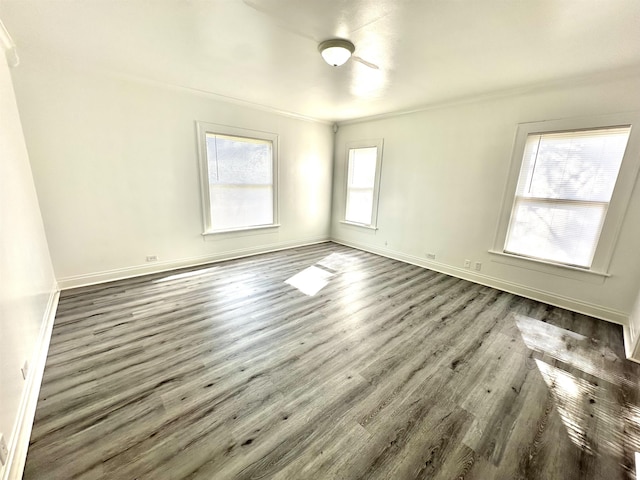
pixel 310 280
pixel 569 347
pixel 185 275
pixel 584 403
pixel 336 262
pixel 631 417
pixel 569 394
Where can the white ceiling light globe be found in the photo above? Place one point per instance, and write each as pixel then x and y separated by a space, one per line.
pixel 336 52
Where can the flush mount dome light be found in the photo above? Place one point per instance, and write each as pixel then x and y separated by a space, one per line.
pixel 336 51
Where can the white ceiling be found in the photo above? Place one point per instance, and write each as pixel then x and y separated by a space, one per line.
pixel 265 51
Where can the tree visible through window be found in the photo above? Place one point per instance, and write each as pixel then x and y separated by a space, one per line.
pixel 238 179
pixel 565 185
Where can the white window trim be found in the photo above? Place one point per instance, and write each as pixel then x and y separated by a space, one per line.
pixel 619 200
pixel 361 225
pixel 203 128
pixel 378 143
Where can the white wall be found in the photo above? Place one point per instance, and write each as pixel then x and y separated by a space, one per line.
pixel 115 164
pixel 444 172
pixel 27 283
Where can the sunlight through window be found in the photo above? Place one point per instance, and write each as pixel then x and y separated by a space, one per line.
pixel 336 262
pixel 576 383
pixel 566 183
pixel 310 280
pixel 569 393
pixel 568 347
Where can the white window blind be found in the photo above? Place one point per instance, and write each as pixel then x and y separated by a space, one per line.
pixel 240 179
pixel 361 179
pixel 565 185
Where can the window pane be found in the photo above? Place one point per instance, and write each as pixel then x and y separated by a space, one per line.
pixel 566 182
pixel 360 184
pixel 362 167
pixel 564 233
pixel 236 207
pixel 359 203
pixel 573 165
pixel 236 160
pixel 240 172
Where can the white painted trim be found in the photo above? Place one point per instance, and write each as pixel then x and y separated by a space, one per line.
pixel 241 230
pixel 218 97
pixel 21 434
pixel 378 143
pixel 204 128
pixel 620 198
pixel 578 306
pixel 158 267
pixel 360 225
pixel 549 267
pixel 628 344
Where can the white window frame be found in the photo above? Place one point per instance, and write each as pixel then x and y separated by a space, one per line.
pixel 619 199
pixel 204 128
pixel 378 143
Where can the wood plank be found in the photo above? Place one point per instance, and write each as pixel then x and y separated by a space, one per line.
pixel 388 371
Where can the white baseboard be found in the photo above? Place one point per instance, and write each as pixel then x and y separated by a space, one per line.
pixel 578 306
pixel 21 434
pixel 159 267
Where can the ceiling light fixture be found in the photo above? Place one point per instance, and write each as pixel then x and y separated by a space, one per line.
pixel 336 51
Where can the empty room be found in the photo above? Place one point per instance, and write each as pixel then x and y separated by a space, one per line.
pixel 337 239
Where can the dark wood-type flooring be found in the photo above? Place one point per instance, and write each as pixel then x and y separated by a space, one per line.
pixel 390 371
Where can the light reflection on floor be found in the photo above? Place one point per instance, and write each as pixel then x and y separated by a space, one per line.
pixel 569 394
pixel 588 385
pixel 310 280
pixel 569 347
pixel 336 262
pixel 181 276
pixel 314 278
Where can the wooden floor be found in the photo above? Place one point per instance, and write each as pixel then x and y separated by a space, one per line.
pixel 389 371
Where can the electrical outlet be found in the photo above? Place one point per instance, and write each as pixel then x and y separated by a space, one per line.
pixel 152 258
pixel 4 451
pixel 431 256
pixel 467 264
pixel 25 369
pixel 478 266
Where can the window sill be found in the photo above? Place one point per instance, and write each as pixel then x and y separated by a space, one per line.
pixel 361 225
pixel 240 230
pixel 549 267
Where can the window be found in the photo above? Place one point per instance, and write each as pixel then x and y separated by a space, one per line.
pixel 363 180
pixel 238 171
pixel 565 185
